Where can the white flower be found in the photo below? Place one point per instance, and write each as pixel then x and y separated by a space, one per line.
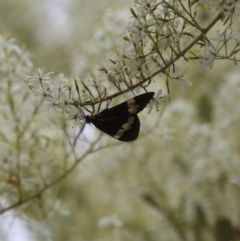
pixel 10 46
pixel 125 51
pixel 183 79
pixel 208 56
pixel 137 31
pixel 155 101
pixel 117 71
pixel 109 221
pixel 75 113
pixel 60 86
pixel 44 90
pixel 38 75
pixel 137 69
pixel 235 37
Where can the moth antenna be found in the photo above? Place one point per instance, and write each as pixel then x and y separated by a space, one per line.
pixel 101 103
pixel 108 103
pixel 86 110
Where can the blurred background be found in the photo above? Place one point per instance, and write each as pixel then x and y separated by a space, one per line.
pixel 63 34
pixel 179 181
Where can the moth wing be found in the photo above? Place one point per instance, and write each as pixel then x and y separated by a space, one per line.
pixel 121 121
pixel 123 128
pixel 139 102
pixel 131 134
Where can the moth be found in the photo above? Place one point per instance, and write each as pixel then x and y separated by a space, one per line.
pixel 121 121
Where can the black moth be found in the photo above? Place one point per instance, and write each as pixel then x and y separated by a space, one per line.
pixel 121 121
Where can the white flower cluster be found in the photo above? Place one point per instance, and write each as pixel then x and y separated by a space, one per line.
pixel 58 93
pixel 162 33
pixel 159 43
pixel 15 61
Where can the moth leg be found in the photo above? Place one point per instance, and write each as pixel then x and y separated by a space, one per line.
pixel 80 132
